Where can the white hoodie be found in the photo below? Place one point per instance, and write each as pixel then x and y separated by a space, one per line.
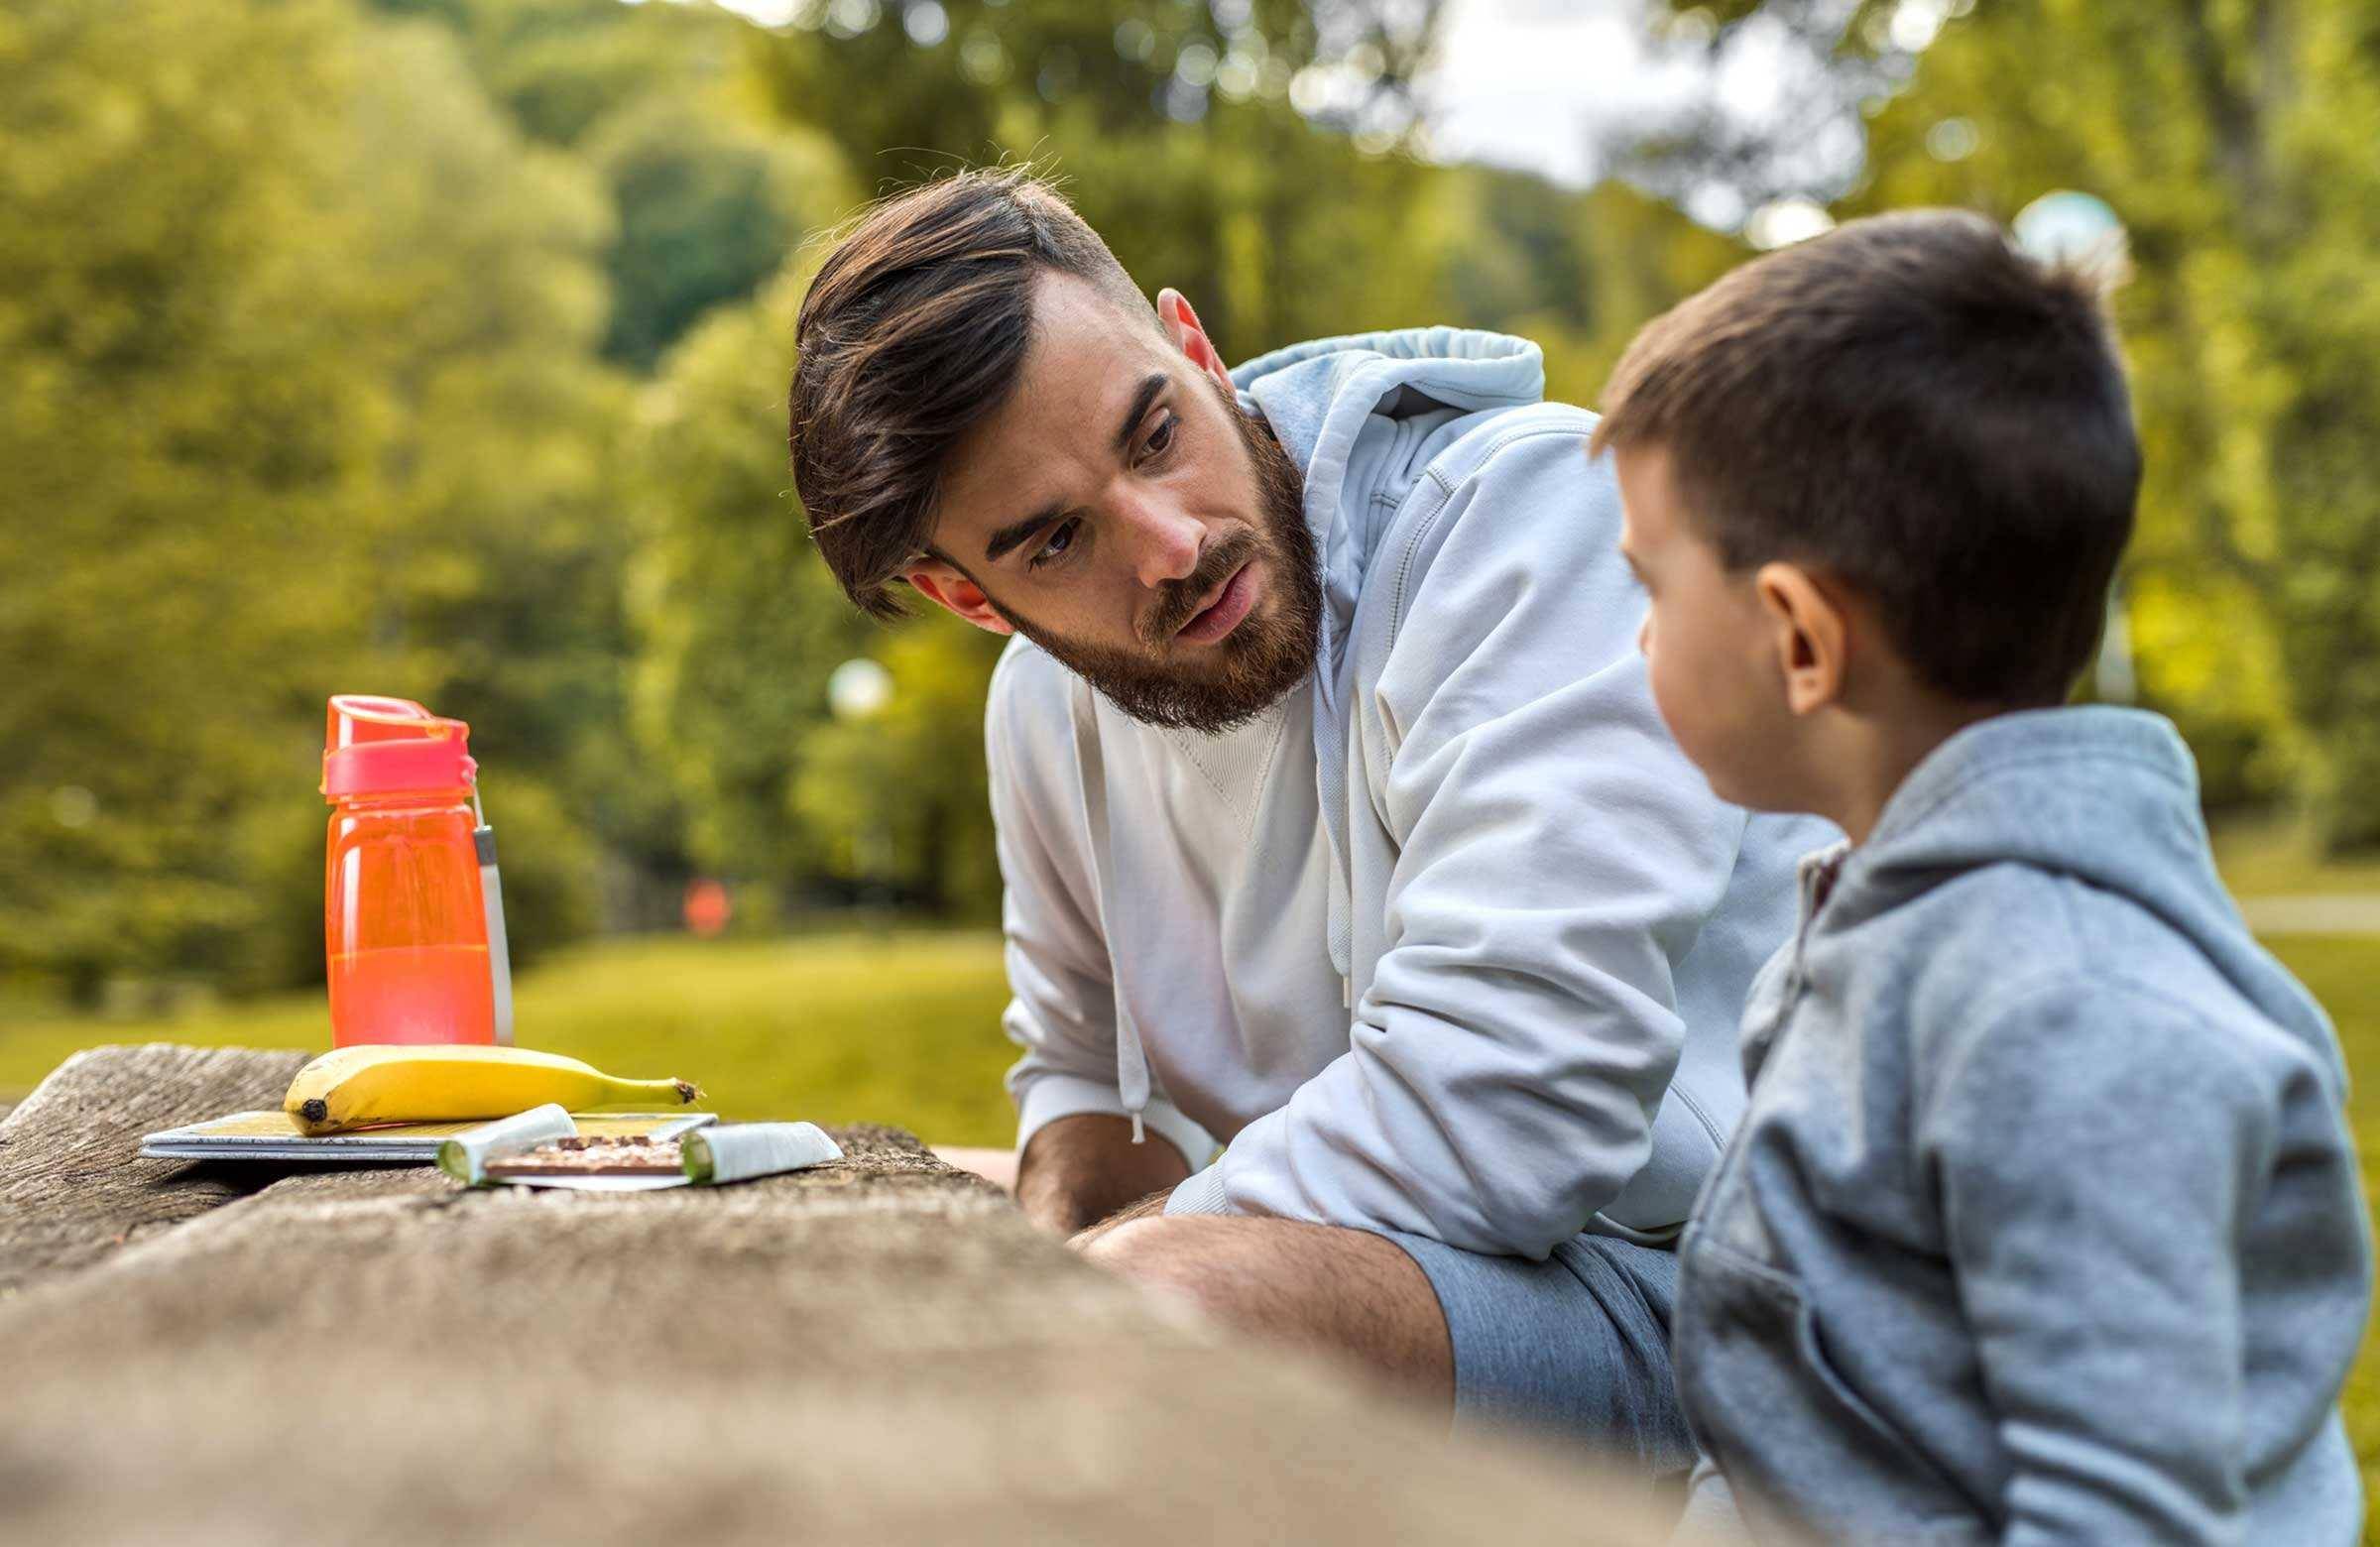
pixel 1452 941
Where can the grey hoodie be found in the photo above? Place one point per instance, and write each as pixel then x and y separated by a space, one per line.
pixel 2043 1224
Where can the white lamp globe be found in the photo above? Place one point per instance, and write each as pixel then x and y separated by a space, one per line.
pixel 2072 228
pixel 859 690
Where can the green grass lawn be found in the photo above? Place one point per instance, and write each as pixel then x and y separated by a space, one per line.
pixel 2344 974
pixel 2270 858
pixel 902 1027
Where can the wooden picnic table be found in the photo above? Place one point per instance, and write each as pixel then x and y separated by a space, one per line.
pixel 877 1350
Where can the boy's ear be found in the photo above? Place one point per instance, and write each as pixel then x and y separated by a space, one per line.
pixel 946 586
pixel 1812 633
pixel 1189 335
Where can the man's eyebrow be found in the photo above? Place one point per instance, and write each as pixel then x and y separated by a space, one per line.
pixel 1014 532
pixel 1150 386
pixel 1007 538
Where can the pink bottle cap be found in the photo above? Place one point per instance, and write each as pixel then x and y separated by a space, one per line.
pixel 393 746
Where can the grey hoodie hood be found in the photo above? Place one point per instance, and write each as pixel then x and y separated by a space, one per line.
pixel 2108 796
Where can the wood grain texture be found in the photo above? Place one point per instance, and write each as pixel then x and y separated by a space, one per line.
pixel 73 1188
pixel 877 1350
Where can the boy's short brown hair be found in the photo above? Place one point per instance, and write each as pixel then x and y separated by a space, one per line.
pixel 1910 402
pixel 914 331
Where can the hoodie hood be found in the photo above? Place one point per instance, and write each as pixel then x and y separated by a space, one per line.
pixel 1327 402
pixel 1320 397
pixel 2108 796
pixel 1362 416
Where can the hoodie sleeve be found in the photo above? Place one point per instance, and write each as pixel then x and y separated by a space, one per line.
pixel 1556 859
pixel 1062 1004
pixel 2097 1153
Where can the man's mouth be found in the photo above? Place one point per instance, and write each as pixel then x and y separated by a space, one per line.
pixel 1221 612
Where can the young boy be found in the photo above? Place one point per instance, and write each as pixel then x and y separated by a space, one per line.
pixel 2043 1224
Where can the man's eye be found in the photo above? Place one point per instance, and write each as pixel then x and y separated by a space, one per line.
pixel 1162 436
pixel 1055 547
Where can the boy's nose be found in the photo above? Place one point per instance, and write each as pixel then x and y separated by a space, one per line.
pixel 1644 636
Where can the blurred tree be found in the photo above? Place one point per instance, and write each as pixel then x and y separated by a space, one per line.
pixel 1769 97
pixel 1577 273
pixel 184 446
pixel 900 796
pixel 1205 144
pixel 708 207
pixel 560 67
pixel 287 324
pixel 304 314
pixel 2234 142
pixel 740 622
pixel 1172 127
pixel 707 191
pixel 743 627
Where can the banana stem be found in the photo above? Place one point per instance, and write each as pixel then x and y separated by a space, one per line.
pixel 669 1093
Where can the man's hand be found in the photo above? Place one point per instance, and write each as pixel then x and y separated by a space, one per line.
pixel 1080 1169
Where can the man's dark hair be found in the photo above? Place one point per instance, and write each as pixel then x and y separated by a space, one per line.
pixel 1915 406
pixel 912 334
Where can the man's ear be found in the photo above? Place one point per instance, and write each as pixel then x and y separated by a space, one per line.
pixel 945 585
pixel 1812 635
pixel 1189 335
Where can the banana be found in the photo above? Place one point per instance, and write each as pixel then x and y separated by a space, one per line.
pixel 355 1086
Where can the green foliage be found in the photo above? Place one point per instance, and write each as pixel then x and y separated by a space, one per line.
pixel 887 1026
pixel 1280 231
pixel 708 208
pixel 307 379
pixel 741 623
pixel 310 314
pixel 902 796
pixel 557 67
pixel 2234 141
pixel 298 389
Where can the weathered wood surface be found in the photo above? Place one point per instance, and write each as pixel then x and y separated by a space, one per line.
pixel 879 1350
pixel 71 1188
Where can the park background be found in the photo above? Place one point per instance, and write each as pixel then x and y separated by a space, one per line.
pixel 437 348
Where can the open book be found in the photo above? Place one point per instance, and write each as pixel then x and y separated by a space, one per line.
pixel 274 1135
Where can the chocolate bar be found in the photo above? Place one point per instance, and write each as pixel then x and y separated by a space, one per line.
pixel 632 1155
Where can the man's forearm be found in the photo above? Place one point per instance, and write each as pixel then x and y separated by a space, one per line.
pixel 1080 1169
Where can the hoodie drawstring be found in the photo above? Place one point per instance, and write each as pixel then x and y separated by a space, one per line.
pixel 1132 1059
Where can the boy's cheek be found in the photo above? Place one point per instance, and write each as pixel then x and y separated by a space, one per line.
pixel 1672 699
pixel 1702 721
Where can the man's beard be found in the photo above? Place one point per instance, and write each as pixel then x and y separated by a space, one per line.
pixel 1267 655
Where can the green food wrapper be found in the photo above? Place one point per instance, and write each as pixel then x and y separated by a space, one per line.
pixel 465 1157
pixel 739 1152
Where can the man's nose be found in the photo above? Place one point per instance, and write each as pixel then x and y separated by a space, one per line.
pixel 1165 540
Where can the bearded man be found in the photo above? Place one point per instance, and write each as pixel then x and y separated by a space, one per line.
pixel 1336 820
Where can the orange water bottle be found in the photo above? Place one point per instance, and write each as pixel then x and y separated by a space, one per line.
pixel 412 917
